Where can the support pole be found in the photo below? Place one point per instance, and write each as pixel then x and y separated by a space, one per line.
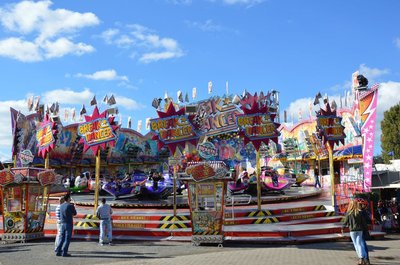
pixel 175 176
pixel 332 173
pixel 97 176
pixel 258 180
pixel 15 161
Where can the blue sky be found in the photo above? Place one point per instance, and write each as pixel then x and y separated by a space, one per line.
pixel 69 51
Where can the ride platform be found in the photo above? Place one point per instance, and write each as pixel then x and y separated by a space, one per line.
pixel 306 219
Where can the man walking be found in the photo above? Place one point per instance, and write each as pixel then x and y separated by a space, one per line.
pixel 67 211
pixel 104 214
pixel 61 201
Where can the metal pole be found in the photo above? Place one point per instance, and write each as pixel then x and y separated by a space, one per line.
pixel 332 174
pixel 47 161
pixel 15 161
pixel 258 181
pixel 97 176
pixel 175 176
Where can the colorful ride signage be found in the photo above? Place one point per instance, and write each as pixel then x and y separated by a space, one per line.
pixel 45 136
pixel 329 126
pixel 6 177
pixel 46 177
pixel 97 131
pixel 173 128
pixel 256 125
pixel 207 150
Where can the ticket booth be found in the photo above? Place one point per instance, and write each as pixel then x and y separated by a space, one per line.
pixel 207 187
pixel 24 193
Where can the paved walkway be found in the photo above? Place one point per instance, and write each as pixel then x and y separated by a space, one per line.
pixel 382 252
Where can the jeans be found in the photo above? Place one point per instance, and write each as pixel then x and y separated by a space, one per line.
pixel 317 183
pixel 359 244
pixel 65 239
pixel 58 236
pixel 105 229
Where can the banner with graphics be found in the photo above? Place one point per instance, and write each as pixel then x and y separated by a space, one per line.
pixel 368 101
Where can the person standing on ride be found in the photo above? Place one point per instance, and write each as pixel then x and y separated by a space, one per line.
pixel 104 213
pixel 155 177
pixel 317 178
pixel 61 201
pixel 357 225
pixel 67 211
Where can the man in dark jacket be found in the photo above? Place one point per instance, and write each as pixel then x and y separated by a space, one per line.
pixel 67 211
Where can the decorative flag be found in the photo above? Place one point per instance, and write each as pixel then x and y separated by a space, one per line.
pixel 139 125
pixel 36 104
pixel 187 97
pixel 166 95
pixel 341 103
pixel 317 98
pixel 129 122
pixel 244 93
pixel 194 92
pixel 30 103
pixel 83 110
pixel 210 84
pixel 73 114
pixel 236 99
pixel 105 99
pixel 66 115
pixel 179 96
pixel 285 116
pixel 111 100
pixel 227 88
pixel 334 105
pixel 147 123
pixel 93 101
pixel 156 102
pixel 52 108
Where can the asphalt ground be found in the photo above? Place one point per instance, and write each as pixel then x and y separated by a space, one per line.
pixel 386 251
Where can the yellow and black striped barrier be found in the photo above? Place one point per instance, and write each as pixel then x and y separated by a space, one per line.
pixel 267 220
pixel 174 226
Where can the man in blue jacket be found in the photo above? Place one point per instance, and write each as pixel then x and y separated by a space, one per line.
pixel 67 211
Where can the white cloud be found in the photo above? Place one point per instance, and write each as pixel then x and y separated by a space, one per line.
pixel 67 96
pixel 372 73
pixel 397 42
pixel 107 75
pixel 180 2
pixel 207 25
pixel 248 3
pixel 144 44
pixel 51 31
pixel 128 103
pixel 19 49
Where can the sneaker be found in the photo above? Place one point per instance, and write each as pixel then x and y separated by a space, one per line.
pixel 110 244
pixel 101 244
pixel 58 254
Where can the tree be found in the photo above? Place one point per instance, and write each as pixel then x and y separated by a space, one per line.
pixel 390 138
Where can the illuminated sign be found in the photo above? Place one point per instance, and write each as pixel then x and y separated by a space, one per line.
pixel 44 136
pixel 207 150
pixel 331 127
pixel 257 126
pixel 96 131
pixel 173 129
pixel 26 157
pixel 217 116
